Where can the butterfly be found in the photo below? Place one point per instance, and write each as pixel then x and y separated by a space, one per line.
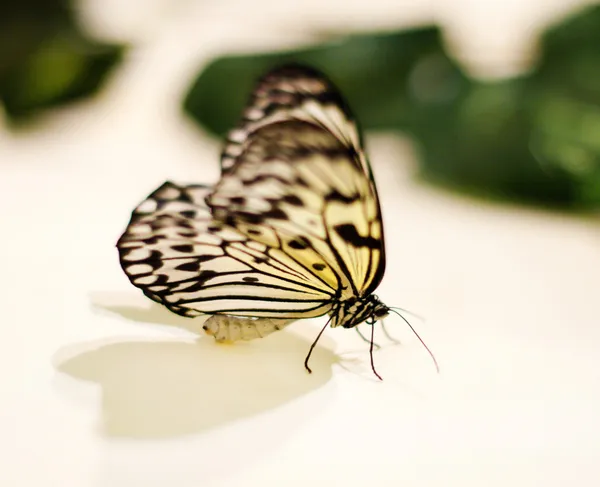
pixel 292 229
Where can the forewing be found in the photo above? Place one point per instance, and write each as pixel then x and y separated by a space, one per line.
pixel 297 157
pixel 180 257
pixel 298 188
pixel 295 92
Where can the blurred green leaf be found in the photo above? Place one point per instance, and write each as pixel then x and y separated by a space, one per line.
pixel 375 72
pixel 566 103
pixel 45 60
pixel 482 145
pixel 534 138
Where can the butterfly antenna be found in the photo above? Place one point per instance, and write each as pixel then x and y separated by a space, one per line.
pixel 371 351
pixel 312 347
pixel 437 367
pixel 419 317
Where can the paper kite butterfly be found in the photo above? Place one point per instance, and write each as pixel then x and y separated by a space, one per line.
pixel 291 230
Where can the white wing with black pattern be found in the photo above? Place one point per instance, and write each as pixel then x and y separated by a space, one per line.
pixel 295 168
pixel 292 229
pixel 180 257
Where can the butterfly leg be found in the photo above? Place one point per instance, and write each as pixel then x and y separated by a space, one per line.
pixel 312 347
pixel 371 351
pixel 365 339
pixel 232 329
pixel 387 334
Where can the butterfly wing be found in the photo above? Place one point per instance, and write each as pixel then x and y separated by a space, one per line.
pixel 294 174
pixel 295 92
pixel 180 257
pixel 292 227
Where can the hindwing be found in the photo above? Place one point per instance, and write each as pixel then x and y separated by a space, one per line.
pixel 181 257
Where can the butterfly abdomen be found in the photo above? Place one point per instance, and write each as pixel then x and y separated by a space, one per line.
pixel 232 329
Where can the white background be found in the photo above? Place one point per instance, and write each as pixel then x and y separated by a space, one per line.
pixel 101 388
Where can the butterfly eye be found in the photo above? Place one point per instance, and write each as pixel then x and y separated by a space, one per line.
pixel 381 312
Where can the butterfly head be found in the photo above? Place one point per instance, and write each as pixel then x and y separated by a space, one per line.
pixel 380 311
pixel 353 312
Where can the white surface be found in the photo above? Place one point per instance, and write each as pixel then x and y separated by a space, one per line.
pixel 101 388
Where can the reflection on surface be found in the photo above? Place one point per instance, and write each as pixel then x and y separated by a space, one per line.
pixel 154 389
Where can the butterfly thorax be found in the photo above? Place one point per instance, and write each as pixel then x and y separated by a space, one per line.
pixel 354 311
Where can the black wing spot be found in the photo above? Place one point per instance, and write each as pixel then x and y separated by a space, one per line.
pixel 301 182
pixel 154 260
pixel 185 248
pixel 335 195
pixel 250 217
pixel 250 279
pixel 254 231
pixel 184 197
pixel 189 267
pixel 319 266
pixel 126 251
pixel 185 224
pixel 350 234
pixel 299 243
pixel 188 213
pixel 200 281
pixel 292 199
pixel 276 214
pixel 206 258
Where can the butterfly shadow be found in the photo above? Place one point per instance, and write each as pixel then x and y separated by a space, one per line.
pixel 175 387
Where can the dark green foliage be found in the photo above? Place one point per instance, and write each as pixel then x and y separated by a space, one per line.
pixel 45 60
pixel 372 71
pixel 534 138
